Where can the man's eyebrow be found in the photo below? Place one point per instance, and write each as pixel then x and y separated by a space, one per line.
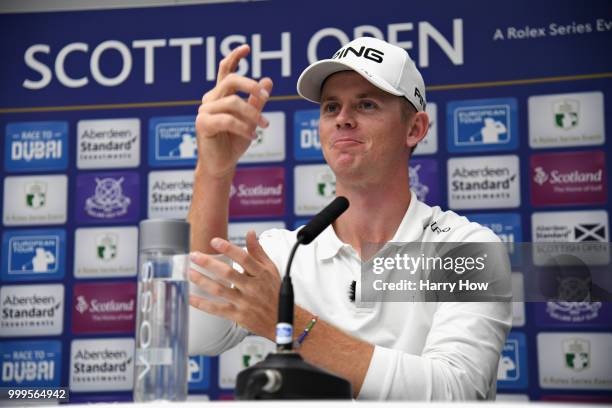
pixel 329 98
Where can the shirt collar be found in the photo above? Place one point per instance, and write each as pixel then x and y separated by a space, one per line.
pixel 411 228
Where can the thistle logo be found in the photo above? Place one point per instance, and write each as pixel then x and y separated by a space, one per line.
pixel 577 353
pixel 233 191
pixel 326 184
pixel 106 247
pixel 540 176
pixel 81 305
pixel 566 113
pixel 573 312
pixel 36 194
pixel 421 190
pixel 108 200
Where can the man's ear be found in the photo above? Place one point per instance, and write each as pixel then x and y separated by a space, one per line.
pixel 419 125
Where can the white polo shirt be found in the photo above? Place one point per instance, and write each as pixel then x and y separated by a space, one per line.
pixel 423 350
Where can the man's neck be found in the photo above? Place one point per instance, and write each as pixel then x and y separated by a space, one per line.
pixel 374 215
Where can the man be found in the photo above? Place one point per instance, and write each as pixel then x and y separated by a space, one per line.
pixel 372 101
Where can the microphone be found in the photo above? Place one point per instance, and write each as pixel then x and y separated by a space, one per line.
pixel 284 374
pixel 322 220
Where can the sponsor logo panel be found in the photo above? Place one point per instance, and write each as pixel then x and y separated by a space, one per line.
pixel 102 365
pixel 484 182
pixel 30 364
pixel 575 360
pixel 566 120
pixel 31 310
pixel 199 373
pixel 306 141
pixel 482 125
pixel 108 143
pixel 170 193
pixel 36 146
pixel 269 146
pixel 29 255
pixel 590 228
pixel 237 230
pixel 568 178
pixel 250 351
pixel 107 197
pixel 574 314
pixel 429 145
pixel 258 192
pixel 172 141
pixel 35 200
pixel 105 252
pixel 507 226
pixel 512 368
pixel 104 308
pixel 424 180
pixel 315 187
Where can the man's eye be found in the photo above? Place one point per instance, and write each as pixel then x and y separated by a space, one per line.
pixel 367 105
pixel 330 108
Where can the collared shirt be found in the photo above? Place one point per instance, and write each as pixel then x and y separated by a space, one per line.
pixel 423 350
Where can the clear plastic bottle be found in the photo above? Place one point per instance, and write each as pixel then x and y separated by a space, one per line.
pixel 163 311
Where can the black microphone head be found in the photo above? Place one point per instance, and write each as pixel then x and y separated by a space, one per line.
pixel 322 220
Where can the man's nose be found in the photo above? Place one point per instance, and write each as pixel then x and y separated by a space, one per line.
pixel 346 118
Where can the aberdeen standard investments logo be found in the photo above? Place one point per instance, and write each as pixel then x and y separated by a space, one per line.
pixel 107 197
pixel 31 310
pixel 36 146
pixel 33 254
pixel 108 143
pixel 568 178
pixel 30 364
pixel 484 182
pixel 102 365
pixel 104 308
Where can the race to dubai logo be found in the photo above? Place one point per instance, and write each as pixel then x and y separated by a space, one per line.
pixel 30 364
pixel 106 246
pixel 566 113
pixel 36 194
pixel 108 200
pixel 326 184
pixel 421 190
pixel 573 312
pixel 577 353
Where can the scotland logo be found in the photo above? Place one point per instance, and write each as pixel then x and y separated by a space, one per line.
pixel 108 200
pixel 573 312
pixel 36 194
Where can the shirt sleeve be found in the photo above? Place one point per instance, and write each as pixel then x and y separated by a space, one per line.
pixel 208 334
pixel 459 360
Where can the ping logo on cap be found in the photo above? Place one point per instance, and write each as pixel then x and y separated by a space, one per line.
pixel 417 94
pixel 369 53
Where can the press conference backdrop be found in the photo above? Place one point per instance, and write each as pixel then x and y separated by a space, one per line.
pixel 97 111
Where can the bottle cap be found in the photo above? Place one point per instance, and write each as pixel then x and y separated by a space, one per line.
pixel 171 235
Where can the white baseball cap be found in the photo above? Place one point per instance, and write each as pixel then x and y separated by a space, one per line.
pixel 386 66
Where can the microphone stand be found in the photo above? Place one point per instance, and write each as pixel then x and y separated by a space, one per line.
pixel 285 374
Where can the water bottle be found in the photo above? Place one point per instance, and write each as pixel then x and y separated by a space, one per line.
pixel 163 311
